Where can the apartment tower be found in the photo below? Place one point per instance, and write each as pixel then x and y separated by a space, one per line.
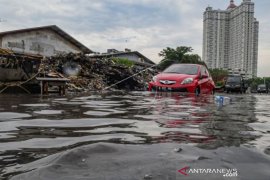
pixel 230 38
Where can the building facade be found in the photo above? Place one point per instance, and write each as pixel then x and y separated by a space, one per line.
pixel 45 41
pixel 230 38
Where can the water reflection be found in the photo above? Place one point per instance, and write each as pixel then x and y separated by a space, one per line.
pixel 230 125
pixel 32 128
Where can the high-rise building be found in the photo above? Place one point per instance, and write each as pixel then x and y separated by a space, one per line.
pixel 230 38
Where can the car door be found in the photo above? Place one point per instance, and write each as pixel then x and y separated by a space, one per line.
pixel 210 82
pixel 204 81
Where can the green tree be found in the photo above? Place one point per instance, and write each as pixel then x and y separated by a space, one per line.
pixel 218 75
pixel 254 82
pixel 180 54
pixel 193 59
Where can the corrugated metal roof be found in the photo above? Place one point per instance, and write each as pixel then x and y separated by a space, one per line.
pixel 55 29
pixel 121 53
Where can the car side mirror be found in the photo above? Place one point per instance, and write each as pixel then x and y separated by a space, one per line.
pixel 204 76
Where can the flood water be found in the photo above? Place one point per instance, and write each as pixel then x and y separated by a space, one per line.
pixel 136 135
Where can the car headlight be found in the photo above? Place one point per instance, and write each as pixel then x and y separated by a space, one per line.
pixel 154 78
pixel 187 81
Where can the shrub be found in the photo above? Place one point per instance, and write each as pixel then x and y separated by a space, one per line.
pixel 123 61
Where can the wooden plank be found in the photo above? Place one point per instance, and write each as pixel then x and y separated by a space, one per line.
pixel 52 79
pixel 60 82
pixel 41 88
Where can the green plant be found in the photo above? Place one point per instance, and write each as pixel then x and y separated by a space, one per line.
pixel 218 75
pixel 220 83
pixel 123 61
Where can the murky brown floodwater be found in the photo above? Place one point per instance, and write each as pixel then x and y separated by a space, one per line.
pixel 82 137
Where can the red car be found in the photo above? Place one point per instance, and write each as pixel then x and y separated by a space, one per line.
pixel 192 78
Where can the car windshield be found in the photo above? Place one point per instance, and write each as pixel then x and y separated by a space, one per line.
pixel 234 79
pixel 262 86
pixel 182 69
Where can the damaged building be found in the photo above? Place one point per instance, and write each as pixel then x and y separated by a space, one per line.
pixel 22 50
pixel 36 59
pixel 45 41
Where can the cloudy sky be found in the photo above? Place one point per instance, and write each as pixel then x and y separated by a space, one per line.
pixel 144 25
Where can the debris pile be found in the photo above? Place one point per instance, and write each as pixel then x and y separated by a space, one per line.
pixel 88 74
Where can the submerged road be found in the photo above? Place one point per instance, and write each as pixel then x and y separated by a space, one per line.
pixel 136 135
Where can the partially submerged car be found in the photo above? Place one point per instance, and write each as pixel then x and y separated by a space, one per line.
pixel 262 88
pixel 192 78
pixel 235 83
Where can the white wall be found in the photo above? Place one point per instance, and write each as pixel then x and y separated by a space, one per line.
pixel 43 42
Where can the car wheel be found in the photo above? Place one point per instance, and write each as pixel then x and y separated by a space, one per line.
pixel 241 91
pixel 197 91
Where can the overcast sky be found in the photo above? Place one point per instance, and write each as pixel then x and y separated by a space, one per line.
pixel 144 25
